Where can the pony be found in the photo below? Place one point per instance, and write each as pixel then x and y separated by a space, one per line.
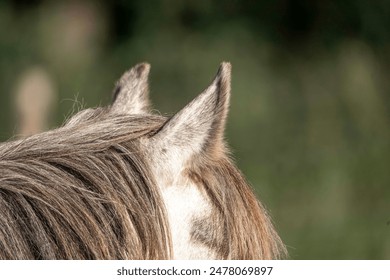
pixel 119 182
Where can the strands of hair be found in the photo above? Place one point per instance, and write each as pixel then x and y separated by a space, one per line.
pixel 96 188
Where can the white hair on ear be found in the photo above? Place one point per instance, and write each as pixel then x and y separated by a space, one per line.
pixel 198 128
pixel 131 93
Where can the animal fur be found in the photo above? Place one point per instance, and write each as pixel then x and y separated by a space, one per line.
pixel 120 183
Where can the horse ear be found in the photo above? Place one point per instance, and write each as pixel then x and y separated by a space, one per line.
pixel 131 93
pixel 198 127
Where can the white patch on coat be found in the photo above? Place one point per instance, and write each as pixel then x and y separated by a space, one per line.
pixel 183 204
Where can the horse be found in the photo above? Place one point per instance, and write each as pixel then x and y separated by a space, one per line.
pixel 119 182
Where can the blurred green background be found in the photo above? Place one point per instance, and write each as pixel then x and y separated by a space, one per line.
pixel 309 119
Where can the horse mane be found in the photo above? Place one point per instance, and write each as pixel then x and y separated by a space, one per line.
pixel 82 192
pixel 247 231
pixel 87 189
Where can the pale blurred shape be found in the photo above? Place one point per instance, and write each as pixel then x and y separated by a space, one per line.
pixel 34 98
pixel 72 32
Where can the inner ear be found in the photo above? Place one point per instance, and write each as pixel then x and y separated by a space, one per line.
pixel 131 93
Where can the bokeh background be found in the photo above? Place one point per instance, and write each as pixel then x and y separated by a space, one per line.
pixel 309 119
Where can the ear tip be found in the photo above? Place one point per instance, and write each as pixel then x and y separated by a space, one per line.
pixel 141 69
pixel 225 70
pixel 225 67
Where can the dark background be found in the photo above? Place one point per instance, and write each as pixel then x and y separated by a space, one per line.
pixel 309 119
